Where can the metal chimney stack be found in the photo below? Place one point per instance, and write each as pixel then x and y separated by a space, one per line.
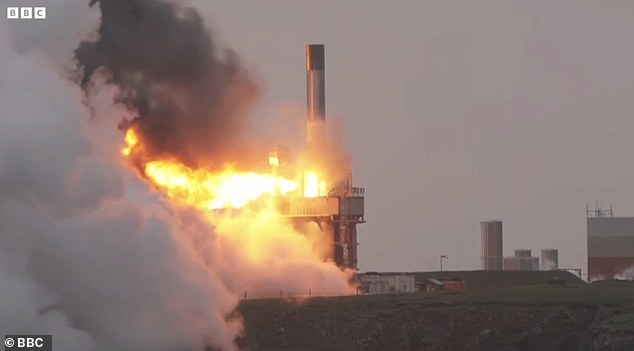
pixel 316 93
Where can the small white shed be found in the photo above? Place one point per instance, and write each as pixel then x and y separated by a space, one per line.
pixel 387 283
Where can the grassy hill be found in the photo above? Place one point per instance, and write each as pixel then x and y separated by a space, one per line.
pixel 577 316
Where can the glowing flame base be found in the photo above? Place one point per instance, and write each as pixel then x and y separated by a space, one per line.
pixel 205 190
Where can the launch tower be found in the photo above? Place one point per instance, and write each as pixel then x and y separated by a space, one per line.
pixel 339 209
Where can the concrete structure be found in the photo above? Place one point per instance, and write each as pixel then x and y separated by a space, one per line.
pixel 610 245
pixel 523 253
pixel 550 260
pixel 521 263
pixel 492 255
pixel 387 283
pixel 340 207
pixel 529 263
pixel 511 264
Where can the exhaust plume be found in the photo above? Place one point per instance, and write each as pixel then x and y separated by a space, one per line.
pixel 88 253
pixel 189 95
pixel 94 254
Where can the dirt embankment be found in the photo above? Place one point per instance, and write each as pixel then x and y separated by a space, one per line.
pixel 581 318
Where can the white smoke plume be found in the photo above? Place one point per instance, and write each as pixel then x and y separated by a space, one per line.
pixel 626 274
pixel 87 252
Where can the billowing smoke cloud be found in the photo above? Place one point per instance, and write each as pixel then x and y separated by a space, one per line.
pixel 87 252
pixel 189 95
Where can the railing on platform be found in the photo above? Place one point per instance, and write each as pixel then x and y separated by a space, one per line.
pixel 292 294
pixel 358 191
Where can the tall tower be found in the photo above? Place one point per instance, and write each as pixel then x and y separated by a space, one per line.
pixel 610 245
pixel 340 209
pixel 315 94
pixel 492 254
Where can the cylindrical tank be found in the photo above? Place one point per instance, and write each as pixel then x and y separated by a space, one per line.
pixel 512 264
pixel 523 253
pixel 534 263
pixel 550 259
pixel 521 263
pixel 528 263
pixel 492 258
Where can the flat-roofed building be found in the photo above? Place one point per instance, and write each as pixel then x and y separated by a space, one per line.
pixel 610 246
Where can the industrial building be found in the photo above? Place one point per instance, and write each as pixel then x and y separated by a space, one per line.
pixel 523 253
pixel 338 207
pixel 492 249
pixel 387 283
pixel 610 244
pixel 492 253
pixel 522 261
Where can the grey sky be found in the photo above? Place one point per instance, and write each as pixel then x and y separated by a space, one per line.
pixel 461 111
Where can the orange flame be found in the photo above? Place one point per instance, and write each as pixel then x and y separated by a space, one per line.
pixel 274 160
pixel 265 249
pixel 206 190
pixel 131 140
pixel 313 185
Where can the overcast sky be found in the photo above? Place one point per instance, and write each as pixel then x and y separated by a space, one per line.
pixel 461 111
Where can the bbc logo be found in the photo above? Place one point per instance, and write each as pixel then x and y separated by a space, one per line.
pixel 28 343
pixel 26 12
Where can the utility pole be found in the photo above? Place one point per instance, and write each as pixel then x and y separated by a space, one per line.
pixel 441 257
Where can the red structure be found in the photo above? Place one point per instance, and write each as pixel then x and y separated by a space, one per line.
pixel 608 267
pixel 447 284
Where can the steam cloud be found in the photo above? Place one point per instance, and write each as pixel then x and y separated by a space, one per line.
pixel 87 252
pixel 189 95
pixel 625 274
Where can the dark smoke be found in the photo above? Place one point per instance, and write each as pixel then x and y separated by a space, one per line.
pixel 190 95
pixel 89 253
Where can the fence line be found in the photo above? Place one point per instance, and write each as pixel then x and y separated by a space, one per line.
pixel 291 293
